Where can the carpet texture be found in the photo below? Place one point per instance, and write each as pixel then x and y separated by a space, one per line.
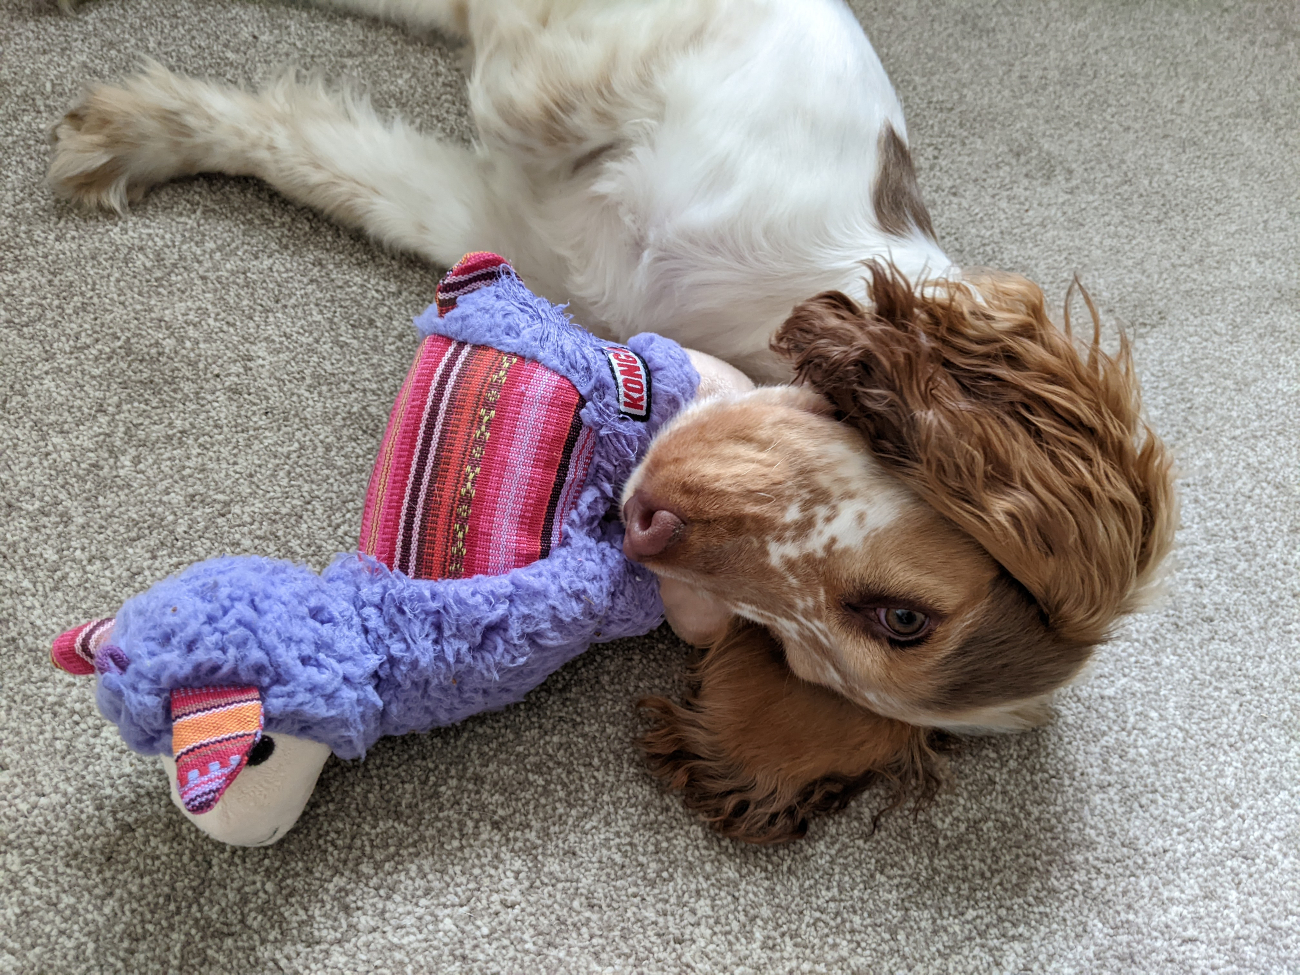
pixel 212 374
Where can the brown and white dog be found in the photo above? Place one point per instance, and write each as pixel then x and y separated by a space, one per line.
pixel 932 529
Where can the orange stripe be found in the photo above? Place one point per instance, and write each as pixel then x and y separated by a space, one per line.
pixel 242 717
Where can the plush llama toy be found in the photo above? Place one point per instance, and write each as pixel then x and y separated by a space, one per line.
pixel 490 555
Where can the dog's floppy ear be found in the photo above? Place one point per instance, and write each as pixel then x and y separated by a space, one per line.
pixel 756 751
pixel 969 393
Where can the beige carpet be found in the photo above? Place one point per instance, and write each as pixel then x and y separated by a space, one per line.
pixel 212 374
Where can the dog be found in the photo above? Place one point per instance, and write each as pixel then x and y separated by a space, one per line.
pixel 937 505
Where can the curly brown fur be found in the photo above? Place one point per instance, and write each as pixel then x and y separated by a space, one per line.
pixel 969 394
pixel 756 751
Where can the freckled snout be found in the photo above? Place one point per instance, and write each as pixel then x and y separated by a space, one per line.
pixel 650 528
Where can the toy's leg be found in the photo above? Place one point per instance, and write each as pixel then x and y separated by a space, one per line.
pixel 324 149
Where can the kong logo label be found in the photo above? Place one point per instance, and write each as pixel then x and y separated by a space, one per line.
pixel 632 379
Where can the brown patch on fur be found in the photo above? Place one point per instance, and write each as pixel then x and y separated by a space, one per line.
pixel 458 17
pixel 1010 654
pixel 897 195
pixel 989 412
pixel 757 751
pixel 595 155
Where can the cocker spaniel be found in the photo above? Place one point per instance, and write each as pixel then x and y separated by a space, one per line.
pixel 930 526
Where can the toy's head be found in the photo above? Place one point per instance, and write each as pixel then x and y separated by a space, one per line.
pixel 490 555
pixel 242 675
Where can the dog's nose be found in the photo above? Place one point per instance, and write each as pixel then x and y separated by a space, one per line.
pixel 650 528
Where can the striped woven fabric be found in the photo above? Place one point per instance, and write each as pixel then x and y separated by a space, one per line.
pixel 213 729
pixel 74 650
pixel 484 456
pixel 470 273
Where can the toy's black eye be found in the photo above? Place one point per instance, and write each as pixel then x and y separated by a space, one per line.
pixel 263 750
pixel 907 624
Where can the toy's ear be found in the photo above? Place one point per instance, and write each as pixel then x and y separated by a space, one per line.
pixel 213 730
pixel 75 650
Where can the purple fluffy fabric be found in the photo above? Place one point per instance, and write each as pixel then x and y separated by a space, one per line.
pixel 359 652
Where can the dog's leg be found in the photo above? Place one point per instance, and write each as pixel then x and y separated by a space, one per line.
pixel 325 150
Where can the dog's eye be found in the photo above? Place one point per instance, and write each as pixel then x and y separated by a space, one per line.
pixel 903 624
pixel 897 624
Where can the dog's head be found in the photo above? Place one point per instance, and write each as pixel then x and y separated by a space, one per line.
pixel 941 522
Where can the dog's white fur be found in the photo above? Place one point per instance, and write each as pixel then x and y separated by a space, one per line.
pixel 659 164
